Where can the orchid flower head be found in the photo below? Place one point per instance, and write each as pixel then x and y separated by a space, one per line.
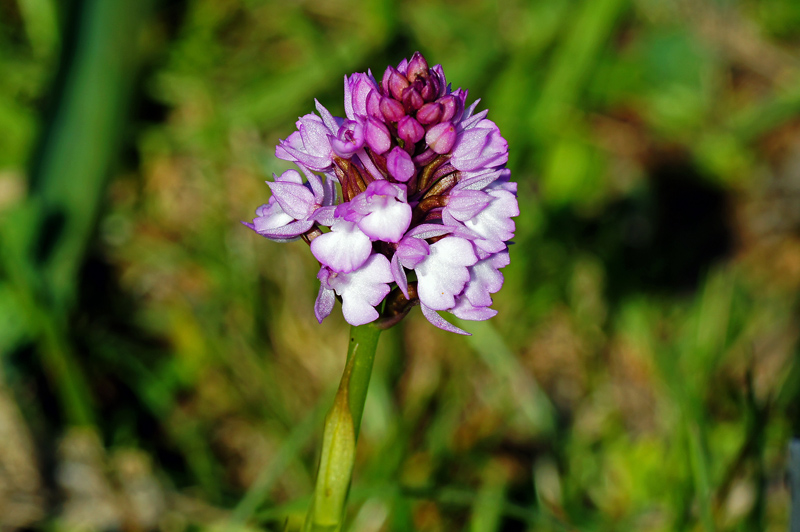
pixel 404 201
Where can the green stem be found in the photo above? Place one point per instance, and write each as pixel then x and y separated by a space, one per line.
pixel 363 343
pixel 339 437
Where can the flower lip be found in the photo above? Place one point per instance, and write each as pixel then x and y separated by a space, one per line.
pixel 382 212
pixel 442 275
pixel 344 249
pixel 361 290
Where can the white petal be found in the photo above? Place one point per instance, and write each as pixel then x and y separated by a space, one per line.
pixel 344 249
pixel 363 289
pixel 388 223
pixel 443 274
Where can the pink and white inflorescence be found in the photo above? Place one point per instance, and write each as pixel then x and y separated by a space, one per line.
pixel 404 201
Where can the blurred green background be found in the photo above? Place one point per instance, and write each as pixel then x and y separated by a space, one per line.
pixel 160 364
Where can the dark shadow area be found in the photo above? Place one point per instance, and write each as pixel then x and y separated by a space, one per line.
pixel 660 240
pixel 122 361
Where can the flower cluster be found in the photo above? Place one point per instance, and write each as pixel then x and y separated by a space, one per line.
pixel 406 197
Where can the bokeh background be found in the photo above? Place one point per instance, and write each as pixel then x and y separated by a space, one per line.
pixel 160 364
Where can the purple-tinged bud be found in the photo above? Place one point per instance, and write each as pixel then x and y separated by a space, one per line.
pixel 402 66
pixel 400 165
pixel 417 67
pixel 412 100
pixel 393 83
pixel 391 109
pixel 430 113
pixel 460 97
pixel 387 74
pixel 374 105
pixel 430 91
pixel 438 72
pixel 377 136
pixel 357 90
pixel 441 137
pixel 449 107
pixel 410 130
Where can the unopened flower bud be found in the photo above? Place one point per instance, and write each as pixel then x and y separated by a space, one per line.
pixel 460 97
pixel 438 72
pixel 417 67
pixel 400 165
pixel 412 100
pixel 377 136
pixel 394 83
pixel 430 113
pixel 441 137
pixel 449 107
pixel 358 88
pixel 387 74
pixel 410 130
pixel 391 109
pixel 431 89
pixel 374 105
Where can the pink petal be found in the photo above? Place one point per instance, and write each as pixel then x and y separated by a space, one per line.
pixel 466 311
pixel 324 303
pixel 296 200
pixel 465 204
pixel 412 251
pixel 399 275
pixel 433 317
